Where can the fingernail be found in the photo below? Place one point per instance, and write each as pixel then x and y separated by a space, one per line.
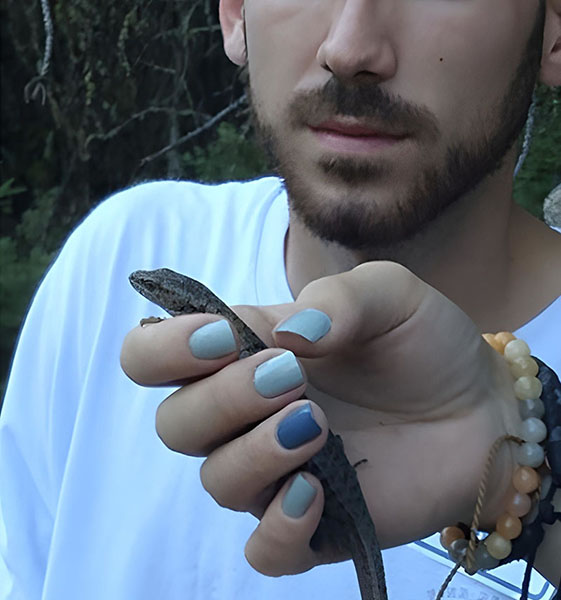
pixel 298 428
pixel 212 340
pixel 310 323
pixel 298 498
pixel 278 375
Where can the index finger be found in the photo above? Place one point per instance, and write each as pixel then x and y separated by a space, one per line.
pixel 178 349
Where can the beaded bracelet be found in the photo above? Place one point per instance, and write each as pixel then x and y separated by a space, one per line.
pixel 519 529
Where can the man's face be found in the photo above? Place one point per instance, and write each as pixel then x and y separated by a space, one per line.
pixel 381 113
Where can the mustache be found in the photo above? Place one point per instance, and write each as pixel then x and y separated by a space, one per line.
pixel 366 101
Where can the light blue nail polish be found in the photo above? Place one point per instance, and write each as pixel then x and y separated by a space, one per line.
pixel 278 375
pixel 212 340
pixel 298 498
pixel 310 323
pixel 298 428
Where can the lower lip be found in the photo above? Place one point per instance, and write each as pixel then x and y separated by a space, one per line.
pixel 354 143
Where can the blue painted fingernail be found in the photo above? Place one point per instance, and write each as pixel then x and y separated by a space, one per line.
pixel 278 375
pixel 310 323
pixel 212 340
pixel 298 498
pixel 298 428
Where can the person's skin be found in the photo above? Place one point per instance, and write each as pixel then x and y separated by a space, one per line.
pixel 413 376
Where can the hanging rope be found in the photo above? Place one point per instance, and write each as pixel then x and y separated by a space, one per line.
pixel 527 136
pixel 36 87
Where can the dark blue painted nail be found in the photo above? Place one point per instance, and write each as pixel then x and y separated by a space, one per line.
pixel 298 427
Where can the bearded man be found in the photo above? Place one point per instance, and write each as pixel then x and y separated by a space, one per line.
pixel 394 127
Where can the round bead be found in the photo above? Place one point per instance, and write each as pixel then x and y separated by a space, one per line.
pixel 490 339
pixel 497 546
pixel 530 454
pixel 525 480
pixel 483 560
pixel 518 504
pixel 531 516
pixel 531 408
pixel 449 535
pixel 508 526
pixel 533 430
pixel 516 349
pixel 526 387
pixel 524 365
pixel 503 338
pixel 458 549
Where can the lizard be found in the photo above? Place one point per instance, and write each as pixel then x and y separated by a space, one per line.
pixel 345 524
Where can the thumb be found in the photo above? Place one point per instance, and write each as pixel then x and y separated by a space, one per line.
pixel 352 307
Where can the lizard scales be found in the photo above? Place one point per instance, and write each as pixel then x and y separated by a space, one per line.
pixel 345 523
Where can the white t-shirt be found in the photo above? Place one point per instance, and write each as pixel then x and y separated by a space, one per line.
pixel 92 505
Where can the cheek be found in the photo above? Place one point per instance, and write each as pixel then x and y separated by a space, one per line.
pixel 282 49
pixel 459 61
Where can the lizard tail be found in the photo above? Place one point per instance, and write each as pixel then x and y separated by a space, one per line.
pixel 370 573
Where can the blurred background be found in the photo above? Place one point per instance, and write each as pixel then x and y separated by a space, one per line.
pixel 134 90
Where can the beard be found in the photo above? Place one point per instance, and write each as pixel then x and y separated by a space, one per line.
pixel 356 218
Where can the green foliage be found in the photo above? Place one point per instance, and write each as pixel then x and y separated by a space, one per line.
pixel 7 189
pixel 542 170
pixel 230 156
pixel 20 276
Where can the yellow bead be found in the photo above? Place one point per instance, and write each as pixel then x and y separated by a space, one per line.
pixel 508 526
pixel 516 349
pixel 528 388
pixel 490 339
pixel 518 504
pixel 502 339
pixel 525 480
pixel 523 365
pixel 497 546
pixel 449 535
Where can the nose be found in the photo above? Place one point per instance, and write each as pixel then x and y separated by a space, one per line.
pixel 358 42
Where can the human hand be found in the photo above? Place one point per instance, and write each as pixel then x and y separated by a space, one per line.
pixel 421 404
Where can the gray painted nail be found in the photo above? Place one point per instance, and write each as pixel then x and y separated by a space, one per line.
pixel 212 340
pixel 278 375
pixel 310 323
pixel 298 498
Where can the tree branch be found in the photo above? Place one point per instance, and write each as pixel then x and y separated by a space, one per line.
pixel 210 123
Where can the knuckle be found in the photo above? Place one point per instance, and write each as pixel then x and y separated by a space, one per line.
pixel 236 473
pixel 385 268
pixel 261 557
pixel 131 362
pixel 171 432
pixel 218 486
pixel 276 550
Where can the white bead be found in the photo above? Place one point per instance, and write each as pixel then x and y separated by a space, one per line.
pixel 516 349
pixel 497 546
pixel 528 388
pixel 458 549
pixel 530 454
pixel 533 430
pixel 531 408
pixel 483 560
pixel 531 516
pixel 524 365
